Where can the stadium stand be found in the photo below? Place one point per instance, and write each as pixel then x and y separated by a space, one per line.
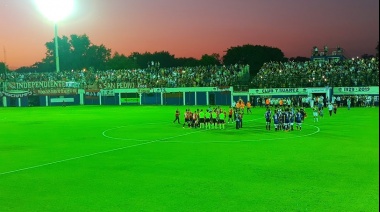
pixel 318 73
pixel 200 76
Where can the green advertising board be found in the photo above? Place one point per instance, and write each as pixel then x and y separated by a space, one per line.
pixel 130 100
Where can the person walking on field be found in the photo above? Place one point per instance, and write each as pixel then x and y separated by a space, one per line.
pixel 230 115
pixel 335 108
pixel 241 114
pixel 330 107
pixel 349 103
pixel 315 113
pixel 176 117
pixel 237 119
pixel 249 107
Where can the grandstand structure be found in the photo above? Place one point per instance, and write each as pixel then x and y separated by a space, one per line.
pixel 190 86
pixel 327 54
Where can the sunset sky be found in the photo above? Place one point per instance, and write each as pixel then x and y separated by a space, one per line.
pixel 191 28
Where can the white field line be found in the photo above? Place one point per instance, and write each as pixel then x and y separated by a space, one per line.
pixel 132 139
pixel 264 139
pixel 93 154
pixel 117 149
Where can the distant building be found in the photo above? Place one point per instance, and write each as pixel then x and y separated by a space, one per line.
pixel 330 54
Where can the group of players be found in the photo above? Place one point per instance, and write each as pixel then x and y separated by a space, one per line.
pixel 284 118
pixel 216 118
pixel 212 118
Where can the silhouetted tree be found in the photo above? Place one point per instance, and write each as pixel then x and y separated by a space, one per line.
pixel 366 56
pixel 97 57
pixel 142 60
pixel 299 59
pixel 120 61
pixel 3 67
pixel 213 59
pixel 80 45
pixel 76 53
pixel 254 56
pixel 164 58
pixel 187 62
pixel 26 69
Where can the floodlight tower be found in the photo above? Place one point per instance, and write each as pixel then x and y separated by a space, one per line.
pixel 55 11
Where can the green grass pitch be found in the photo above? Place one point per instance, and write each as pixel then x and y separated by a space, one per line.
pixel 134 158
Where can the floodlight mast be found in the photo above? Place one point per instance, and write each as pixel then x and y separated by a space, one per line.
pixel 55 10
pixel 56 47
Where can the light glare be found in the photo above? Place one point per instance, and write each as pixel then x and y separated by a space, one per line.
pixel 55 10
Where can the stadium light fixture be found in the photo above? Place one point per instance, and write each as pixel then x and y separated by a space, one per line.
pixel 55 11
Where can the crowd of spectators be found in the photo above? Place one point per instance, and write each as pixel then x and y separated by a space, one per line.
pixel 318 73
pixel 310 101
pixel 342 73
pixel 200 76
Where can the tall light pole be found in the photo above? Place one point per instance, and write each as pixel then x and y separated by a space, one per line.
pixel 56 47
pixel 55 11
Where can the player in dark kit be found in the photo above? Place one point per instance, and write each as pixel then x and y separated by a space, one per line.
pixel 267 116
pixel 276 120
pixel 335 108
pixel 286 120
pixel 298 119
pixel 280 120
pixel 303 113
pixel 291 119
pixel 238 121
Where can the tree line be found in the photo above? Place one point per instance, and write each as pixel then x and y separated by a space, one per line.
pixel 77 52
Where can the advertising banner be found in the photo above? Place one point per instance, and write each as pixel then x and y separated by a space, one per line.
pixel 130 100
pixel 116 85
pixel 61 100
pixel 144 90
pixel 318 90
pixel 55 91
pixel 107 92
pixel 371 90
pixel 16 93
pixel 45 88
pixel 34 85
pixel 92 94
pixel 279 91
